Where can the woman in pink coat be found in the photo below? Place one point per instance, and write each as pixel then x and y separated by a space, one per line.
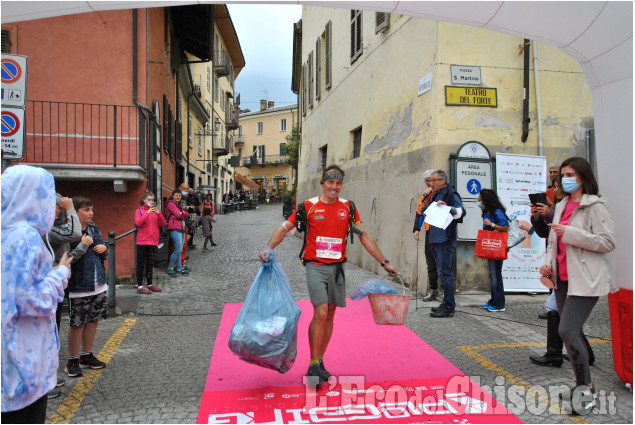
pixel 148 218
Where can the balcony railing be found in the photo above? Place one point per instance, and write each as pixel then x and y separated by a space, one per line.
pixel 84 134
pixel 221 63
pixel 222 145
pixel 274 160
pixel 231 119
pixel 239 140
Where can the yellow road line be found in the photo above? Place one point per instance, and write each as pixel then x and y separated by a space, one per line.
pixel 74 399
pixel 471 351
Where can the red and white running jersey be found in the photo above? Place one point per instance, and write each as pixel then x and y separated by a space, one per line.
pixel 328 225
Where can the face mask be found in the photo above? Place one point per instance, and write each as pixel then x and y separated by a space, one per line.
pixel 481 206
pixel 184 193
pixel 149 203
pixel 569 184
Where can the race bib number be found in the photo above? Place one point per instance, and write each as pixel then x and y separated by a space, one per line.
pixel 330 248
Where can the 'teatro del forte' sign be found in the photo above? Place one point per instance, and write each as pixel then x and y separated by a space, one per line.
pixel 471 96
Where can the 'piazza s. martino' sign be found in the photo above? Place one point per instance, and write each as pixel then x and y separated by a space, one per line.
pixel 462 74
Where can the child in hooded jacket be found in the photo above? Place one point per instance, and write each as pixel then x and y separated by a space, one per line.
pixel 31 290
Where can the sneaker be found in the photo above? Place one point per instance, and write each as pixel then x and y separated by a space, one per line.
pixel 143 290
pixel 184 267
pixel 486 306
pixel 583 400
pixel 154 288
pixel 72 368
pixel 435 309
pixel 205 248
pixel 171 272
pixel 324 374
pixel 54 393
pixel 90 361
pixel 184 271
pixel 60 382
pixel 494 309
pixel 431 296
pixel 213 244
pixel 314 376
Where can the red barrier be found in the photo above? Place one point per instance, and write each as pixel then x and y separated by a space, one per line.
pixel 621 312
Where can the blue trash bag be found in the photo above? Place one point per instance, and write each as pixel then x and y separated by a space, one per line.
pixel 266 330
pixel 373 287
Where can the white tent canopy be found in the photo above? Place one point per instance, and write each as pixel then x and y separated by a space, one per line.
pixel 599 35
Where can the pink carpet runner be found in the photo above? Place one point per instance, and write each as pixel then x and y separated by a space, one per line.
pixel 383 374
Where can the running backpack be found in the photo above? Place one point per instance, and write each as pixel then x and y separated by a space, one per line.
pixel 302 225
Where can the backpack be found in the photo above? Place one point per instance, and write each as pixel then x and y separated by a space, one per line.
pixel 302 225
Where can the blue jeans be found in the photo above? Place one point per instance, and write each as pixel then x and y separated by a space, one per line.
pixel 444 255
pixel 495 268
pixel 177 241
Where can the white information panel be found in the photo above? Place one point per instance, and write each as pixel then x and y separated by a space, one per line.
pixel 517 176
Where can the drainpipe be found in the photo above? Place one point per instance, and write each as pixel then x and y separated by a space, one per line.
pixel 150 151
pixel 534 47
pixel 135 96
pixel 526 119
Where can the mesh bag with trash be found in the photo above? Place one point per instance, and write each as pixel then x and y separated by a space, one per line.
pixel 265 331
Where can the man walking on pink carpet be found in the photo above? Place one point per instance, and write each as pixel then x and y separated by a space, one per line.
pixel 326 220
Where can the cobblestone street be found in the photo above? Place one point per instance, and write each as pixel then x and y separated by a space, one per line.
pixel 158 355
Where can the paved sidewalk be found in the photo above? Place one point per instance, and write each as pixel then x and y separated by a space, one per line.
pixel 158 353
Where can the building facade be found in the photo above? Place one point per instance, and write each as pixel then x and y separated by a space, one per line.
pixel 261 150
pixel 107 103
pixel 373 90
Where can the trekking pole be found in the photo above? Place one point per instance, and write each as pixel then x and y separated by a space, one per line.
pixel 417 280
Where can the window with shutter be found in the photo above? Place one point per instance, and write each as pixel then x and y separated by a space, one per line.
pixel 323 158
pixel 311 82
pixel 189 131
pixel 166 125
pixel 283 149
pixel 6 41
pixel 356 34
pixel 357 142
pixel 318 68
pixel 327 56
pixel 259 127
pixel 382 21
pixel 303 90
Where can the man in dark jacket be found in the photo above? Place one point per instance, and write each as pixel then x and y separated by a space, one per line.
pixel 443 241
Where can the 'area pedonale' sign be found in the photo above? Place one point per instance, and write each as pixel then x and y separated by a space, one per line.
pixel 471 96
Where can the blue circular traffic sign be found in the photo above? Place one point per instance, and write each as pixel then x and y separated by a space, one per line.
pixel 474 187
pixel 11 71
pixel 10 124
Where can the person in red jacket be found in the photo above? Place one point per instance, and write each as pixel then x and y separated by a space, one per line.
pixel 148 218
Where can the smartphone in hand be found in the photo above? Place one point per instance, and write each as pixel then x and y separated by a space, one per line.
pixel 538 198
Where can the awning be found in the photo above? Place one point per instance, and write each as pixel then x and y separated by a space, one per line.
pixel 245 181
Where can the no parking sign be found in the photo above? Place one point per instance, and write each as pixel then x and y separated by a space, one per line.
pixel 12 128
pixel 13 73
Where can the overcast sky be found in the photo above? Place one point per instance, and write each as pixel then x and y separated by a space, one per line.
pixel 265 32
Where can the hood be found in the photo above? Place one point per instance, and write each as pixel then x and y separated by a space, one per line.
pixel 63 218
pixel 28 198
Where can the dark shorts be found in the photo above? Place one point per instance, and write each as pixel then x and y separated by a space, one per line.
pixel 89 309
pixel 326 284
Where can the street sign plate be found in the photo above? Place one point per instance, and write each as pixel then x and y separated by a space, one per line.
pixel 471 96
pixel 12 125
pixel 13 73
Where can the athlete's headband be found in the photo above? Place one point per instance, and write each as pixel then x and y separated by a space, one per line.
pixel 332 175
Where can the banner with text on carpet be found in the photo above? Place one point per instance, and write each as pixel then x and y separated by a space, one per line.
pixel 439 400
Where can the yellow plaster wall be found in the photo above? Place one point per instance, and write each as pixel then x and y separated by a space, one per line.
pixel 403 134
